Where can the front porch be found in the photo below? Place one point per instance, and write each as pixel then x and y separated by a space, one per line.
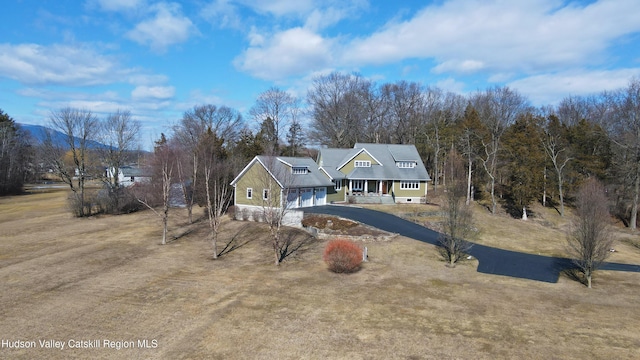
pixel 370 192
pixel 370 187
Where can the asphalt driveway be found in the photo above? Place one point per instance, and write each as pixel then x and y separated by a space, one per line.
pixel 491 260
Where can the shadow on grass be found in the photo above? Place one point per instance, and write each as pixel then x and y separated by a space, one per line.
pixel 238 240
pixel 575 274
pixel 295 242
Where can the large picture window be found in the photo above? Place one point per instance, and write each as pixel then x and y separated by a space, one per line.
pixel 357 185
pixel 409 185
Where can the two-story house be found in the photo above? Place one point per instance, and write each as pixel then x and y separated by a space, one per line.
pixel 375 170
pixel 393 171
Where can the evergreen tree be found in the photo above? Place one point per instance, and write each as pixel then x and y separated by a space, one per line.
pixel 15 156
pixel 525 160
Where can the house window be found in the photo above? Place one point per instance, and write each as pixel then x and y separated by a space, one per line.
pixel 299 170
pixel 249 193
pixel 337 184
pixel 362 163
pixel 265 194
pixel 406 164
pixel 358 185
pixel 409 185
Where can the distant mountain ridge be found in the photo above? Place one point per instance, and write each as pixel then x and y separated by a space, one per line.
pixel 38 135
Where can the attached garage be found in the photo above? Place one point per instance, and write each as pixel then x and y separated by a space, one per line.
pixel 306 197
pixel 321 196
pixel 292 199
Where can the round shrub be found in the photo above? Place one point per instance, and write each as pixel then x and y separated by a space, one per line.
pixel 342 256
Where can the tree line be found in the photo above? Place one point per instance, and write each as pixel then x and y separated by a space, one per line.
pixel 515 153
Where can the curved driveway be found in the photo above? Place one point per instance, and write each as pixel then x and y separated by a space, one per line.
pixel 491 260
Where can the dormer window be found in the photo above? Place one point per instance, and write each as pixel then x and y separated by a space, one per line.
pixel 362 163
pixel 406 164
pixel 299 170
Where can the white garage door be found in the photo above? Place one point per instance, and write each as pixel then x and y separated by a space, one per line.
pixel 321 196
pixel 306 197
pixel 292 199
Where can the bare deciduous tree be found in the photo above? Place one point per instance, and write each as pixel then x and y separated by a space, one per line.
pixel 70 157
pixel 404 103
pixel 278 106
pixel 119 134
pixel 216 177
pixel 336 109
pixel 276 184
pixel 626 134
pixel 457 225
pixel 557 149
pixel 224 122
pixel 590 241
pixel 498 108
pixel 160 187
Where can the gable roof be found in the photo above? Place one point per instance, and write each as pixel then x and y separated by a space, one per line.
pixel 279 168
pixel 386 154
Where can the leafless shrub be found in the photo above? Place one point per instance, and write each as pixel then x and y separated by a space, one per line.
pixel 458 221
pixel 590 241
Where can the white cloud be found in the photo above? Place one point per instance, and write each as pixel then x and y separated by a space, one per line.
pixel 464 66
pixel 68 65
pixel 551 88
pixel 35 64
pixel 223 14
pixel 501 35
pixel 291 52
pixel 280 7
pixel 118 5
pixel 451 85
pixel 166 28
pixel 153 92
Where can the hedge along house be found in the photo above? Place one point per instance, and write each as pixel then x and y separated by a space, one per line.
pixel 385 170
pixel 278 181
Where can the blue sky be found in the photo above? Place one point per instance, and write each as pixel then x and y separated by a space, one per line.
pixel 160 58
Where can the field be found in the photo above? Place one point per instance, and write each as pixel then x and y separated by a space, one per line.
pixel 106 280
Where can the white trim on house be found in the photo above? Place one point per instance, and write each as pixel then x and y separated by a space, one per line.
pixel 246 168
pixel 356 154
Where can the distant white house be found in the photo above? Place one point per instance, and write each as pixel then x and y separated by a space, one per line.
pixel 129 175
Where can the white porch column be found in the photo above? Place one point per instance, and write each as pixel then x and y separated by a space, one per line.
pixel 366 182
pixel 350 187
pixel 379 187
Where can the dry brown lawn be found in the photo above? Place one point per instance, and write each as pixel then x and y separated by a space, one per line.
pixel 107 278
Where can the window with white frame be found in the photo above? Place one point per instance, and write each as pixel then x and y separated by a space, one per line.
pixel 357 185
pixel 362 163
pixel 265 194
pixel 249 193
pixel 337 184
pixel 406 164
pixel 299 170
pixel 409 185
